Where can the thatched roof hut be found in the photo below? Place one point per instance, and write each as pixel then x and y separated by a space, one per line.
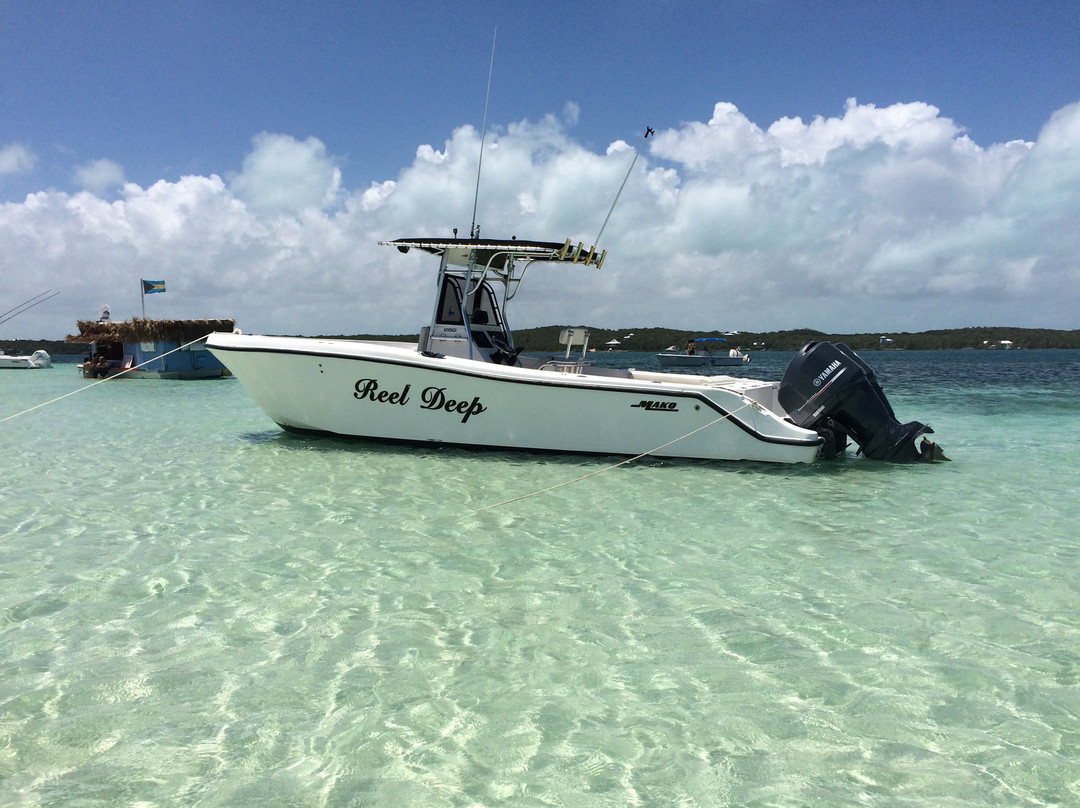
pixel 139 330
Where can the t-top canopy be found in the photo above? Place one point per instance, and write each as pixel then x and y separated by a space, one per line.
pixel 495 253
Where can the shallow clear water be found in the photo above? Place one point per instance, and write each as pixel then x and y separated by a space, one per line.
pixel 197 609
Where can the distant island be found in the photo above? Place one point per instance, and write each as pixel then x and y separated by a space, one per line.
pixel 657 339
pixel 546 339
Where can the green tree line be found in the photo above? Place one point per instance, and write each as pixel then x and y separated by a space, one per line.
pixel 657 339
pixel 546 339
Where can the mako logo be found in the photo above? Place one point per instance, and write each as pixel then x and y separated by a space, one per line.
pixel 657 406
pixel 825 374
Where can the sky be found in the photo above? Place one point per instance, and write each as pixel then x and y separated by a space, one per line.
pixel 847 166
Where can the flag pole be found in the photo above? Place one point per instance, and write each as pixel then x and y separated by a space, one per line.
pixel 142 294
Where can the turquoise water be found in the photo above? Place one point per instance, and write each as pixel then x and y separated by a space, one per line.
pixel 198 609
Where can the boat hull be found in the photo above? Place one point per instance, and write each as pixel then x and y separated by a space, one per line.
pixel 392 392
pixel 174 375
pixel 669 360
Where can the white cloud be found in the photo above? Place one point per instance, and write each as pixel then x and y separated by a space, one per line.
pixel 283 175
pixel 910 127
pixel 888 219
pixel 721 146
pixel 15 158
pixel 99 176
pixel 571 113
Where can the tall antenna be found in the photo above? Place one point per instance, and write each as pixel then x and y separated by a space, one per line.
pixel 483 136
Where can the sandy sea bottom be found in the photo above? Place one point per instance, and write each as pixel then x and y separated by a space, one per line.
pixel 197 609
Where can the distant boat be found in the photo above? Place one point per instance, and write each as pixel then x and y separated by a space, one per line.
pixel 150 349
pixel 703 355
pixel 38 359
pixel 35 361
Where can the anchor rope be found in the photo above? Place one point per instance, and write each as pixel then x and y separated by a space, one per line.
pixel 616 465
pixel 95 384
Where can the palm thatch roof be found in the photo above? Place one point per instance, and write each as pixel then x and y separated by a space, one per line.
pixel 139 330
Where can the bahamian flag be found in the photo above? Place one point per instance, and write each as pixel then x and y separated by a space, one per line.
pixel 150 287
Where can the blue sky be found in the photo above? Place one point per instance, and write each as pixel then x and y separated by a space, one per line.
pixel 253 153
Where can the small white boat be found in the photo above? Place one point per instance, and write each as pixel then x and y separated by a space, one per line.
pixel 700 352
pixel 465 383
pixel 35 361
pixel 38 359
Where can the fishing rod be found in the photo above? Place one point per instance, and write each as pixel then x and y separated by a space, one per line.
pixel 22 307
pixel 637 152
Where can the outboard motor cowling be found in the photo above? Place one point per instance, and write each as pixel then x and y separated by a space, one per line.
pixel 829 389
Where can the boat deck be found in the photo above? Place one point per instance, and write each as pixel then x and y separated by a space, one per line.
pixel 762 392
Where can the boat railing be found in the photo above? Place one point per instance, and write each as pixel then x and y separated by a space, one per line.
pixel 571 338
pixel 570 366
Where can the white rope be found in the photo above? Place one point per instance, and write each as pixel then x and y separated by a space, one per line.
pixel 95 384
pixel 616 465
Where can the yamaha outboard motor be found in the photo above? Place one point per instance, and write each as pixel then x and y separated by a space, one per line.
pixel 829 389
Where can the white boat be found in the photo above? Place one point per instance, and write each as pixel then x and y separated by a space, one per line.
pixel 36 360
pixel 703 355
pixel 465 383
